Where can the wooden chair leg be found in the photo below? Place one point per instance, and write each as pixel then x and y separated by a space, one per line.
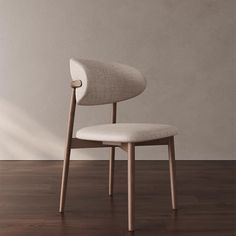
pixel 171 151
pixel 131 187
pixel 64 179
pixel 111 170
pixel 112 157
pixel 67 152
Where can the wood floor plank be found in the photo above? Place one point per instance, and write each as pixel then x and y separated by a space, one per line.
pixel 29 199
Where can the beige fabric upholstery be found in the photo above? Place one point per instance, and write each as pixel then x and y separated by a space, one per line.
pixel 104 83
pixel 125 132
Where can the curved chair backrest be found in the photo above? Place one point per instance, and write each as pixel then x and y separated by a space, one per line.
pixel 104 83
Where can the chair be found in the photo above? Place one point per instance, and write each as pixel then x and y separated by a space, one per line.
pixel 95 83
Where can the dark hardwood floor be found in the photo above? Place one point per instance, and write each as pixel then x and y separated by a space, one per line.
pixel 29 199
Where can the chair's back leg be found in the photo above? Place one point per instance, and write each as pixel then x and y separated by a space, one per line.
pixel 67 151
pixel 171 151
pixel 131 187
pixel 112 156
pixel 111 171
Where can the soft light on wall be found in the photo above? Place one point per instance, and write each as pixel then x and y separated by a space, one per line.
pixel 185 48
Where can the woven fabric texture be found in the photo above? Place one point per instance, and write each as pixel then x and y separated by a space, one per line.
pixel 126 132
pixel 104 83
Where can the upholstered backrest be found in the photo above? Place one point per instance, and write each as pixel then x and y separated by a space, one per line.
pixel 104 83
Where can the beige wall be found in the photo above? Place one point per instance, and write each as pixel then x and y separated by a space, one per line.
pixel 184 47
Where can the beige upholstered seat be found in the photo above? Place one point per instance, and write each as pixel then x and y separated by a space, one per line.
pixel 126 132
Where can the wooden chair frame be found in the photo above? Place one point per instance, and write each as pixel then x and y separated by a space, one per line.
pixel 72 143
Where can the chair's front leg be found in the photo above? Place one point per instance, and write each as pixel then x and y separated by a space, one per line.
pixel 131 186
pixel 67 152
pixel 64 178
pixel 171 150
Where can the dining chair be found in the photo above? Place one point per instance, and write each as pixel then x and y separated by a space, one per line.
pixel 96 83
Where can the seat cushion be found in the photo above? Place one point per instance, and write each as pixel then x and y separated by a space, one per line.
pixel 125 132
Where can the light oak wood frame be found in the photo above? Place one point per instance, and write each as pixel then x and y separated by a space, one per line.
pixel 72 143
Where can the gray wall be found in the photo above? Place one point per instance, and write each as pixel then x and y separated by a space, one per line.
pixel 184 47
